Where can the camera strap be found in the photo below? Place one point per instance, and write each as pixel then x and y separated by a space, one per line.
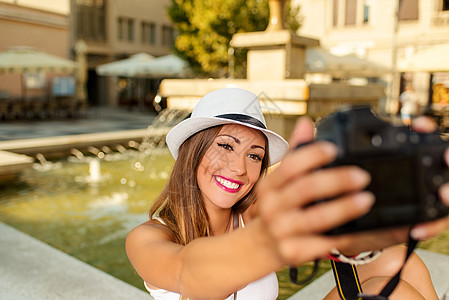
pixel 346 280
pixel 348 284
pixel 394 281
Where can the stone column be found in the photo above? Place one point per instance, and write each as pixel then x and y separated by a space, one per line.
pixel 276 15
pixel 276 53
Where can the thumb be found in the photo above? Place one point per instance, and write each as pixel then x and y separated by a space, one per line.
pixel 304 132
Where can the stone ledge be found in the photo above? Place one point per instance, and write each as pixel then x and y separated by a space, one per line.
pixel 57 146
pixel 271 38
pixel 12 163
pixel 31 269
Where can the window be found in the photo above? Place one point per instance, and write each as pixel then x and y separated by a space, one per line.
pixel 148 33
pixel 91 20
pixel 366 8
pixel 444 6
pixel 408 10
pixel 350 12
pixel 125 29
pixel 168 38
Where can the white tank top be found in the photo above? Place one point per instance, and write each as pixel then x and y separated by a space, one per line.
pixel 265 288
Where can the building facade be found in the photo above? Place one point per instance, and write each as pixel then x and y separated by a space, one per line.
pixel 384 31
pixel 46 31
pixel 114 30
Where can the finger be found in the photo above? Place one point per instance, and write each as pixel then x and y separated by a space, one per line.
pixel 324 216
pixel 424 124
pixel 352 244
pixel 323 184
pixel 294 253
pixel 299 162
pixel 303 132
pixel 430 229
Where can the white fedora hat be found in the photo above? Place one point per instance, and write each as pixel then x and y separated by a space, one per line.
pixel 226 106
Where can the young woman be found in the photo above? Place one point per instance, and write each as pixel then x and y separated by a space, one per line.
pixel 222 227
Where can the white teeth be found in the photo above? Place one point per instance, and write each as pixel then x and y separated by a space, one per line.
pixel 227 183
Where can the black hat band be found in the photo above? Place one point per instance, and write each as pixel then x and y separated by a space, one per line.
pixel 244 119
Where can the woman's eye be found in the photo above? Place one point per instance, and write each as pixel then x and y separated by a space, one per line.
pixel 225 146
pixel 255 157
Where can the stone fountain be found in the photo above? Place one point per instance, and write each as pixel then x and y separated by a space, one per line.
pixel 276 69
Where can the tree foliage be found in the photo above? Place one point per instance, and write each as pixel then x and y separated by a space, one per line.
pixel 205 29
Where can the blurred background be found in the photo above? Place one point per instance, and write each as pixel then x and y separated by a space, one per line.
pixel 393 43
pixel 70 67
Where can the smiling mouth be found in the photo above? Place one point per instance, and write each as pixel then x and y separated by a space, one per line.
pixel 228 185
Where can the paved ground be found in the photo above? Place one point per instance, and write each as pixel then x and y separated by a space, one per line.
pixel 93 121
pixel 30 269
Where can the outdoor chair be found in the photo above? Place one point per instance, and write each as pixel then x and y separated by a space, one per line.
pixel 17 108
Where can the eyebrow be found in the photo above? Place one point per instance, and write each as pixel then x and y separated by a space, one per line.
pixel 239 142
pixel 257 146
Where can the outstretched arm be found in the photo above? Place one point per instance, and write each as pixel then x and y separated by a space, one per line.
pixel 286 230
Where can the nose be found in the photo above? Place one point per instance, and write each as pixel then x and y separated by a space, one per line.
pixel 237 164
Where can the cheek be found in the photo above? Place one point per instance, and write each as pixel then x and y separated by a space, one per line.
pixel 201 174
pixel 215 159
pixel 254 173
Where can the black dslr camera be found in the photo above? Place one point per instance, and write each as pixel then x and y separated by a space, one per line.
pixel 406 167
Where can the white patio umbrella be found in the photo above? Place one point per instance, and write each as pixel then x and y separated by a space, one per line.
pixel 433 59
pixel 319 60
pixel 23 59
pixel 128 67
pixel 167 66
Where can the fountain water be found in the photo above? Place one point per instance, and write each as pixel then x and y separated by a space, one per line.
pixel 44 164
pixel 120 148
pixel 77 153
pixel 94 170
pixel 106 150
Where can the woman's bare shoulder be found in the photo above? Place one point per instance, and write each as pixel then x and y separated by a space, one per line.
pixel 150 231
pixel 152 250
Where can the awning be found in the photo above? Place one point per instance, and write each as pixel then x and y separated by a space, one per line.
pixel 145 65
pixel 23 59
pixel 168 66
pixel 319 60
pixel 128 67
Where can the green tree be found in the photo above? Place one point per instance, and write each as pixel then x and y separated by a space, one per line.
pixel 205 29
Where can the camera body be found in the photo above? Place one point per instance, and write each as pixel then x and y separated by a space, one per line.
pixel 406 167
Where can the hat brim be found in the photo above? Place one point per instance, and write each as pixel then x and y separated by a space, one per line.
pixel 277 145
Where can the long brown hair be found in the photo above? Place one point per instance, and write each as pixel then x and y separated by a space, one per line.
pixel 180 204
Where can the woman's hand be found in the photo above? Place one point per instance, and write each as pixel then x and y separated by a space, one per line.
pixel 285 195
pixel 296 228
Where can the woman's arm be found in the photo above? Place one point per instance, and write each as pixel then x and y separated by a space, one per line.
pixel 285 231
pixel 207 268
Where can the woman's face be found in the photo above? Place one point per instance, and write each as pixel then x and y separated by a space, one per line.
pixel 231 166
